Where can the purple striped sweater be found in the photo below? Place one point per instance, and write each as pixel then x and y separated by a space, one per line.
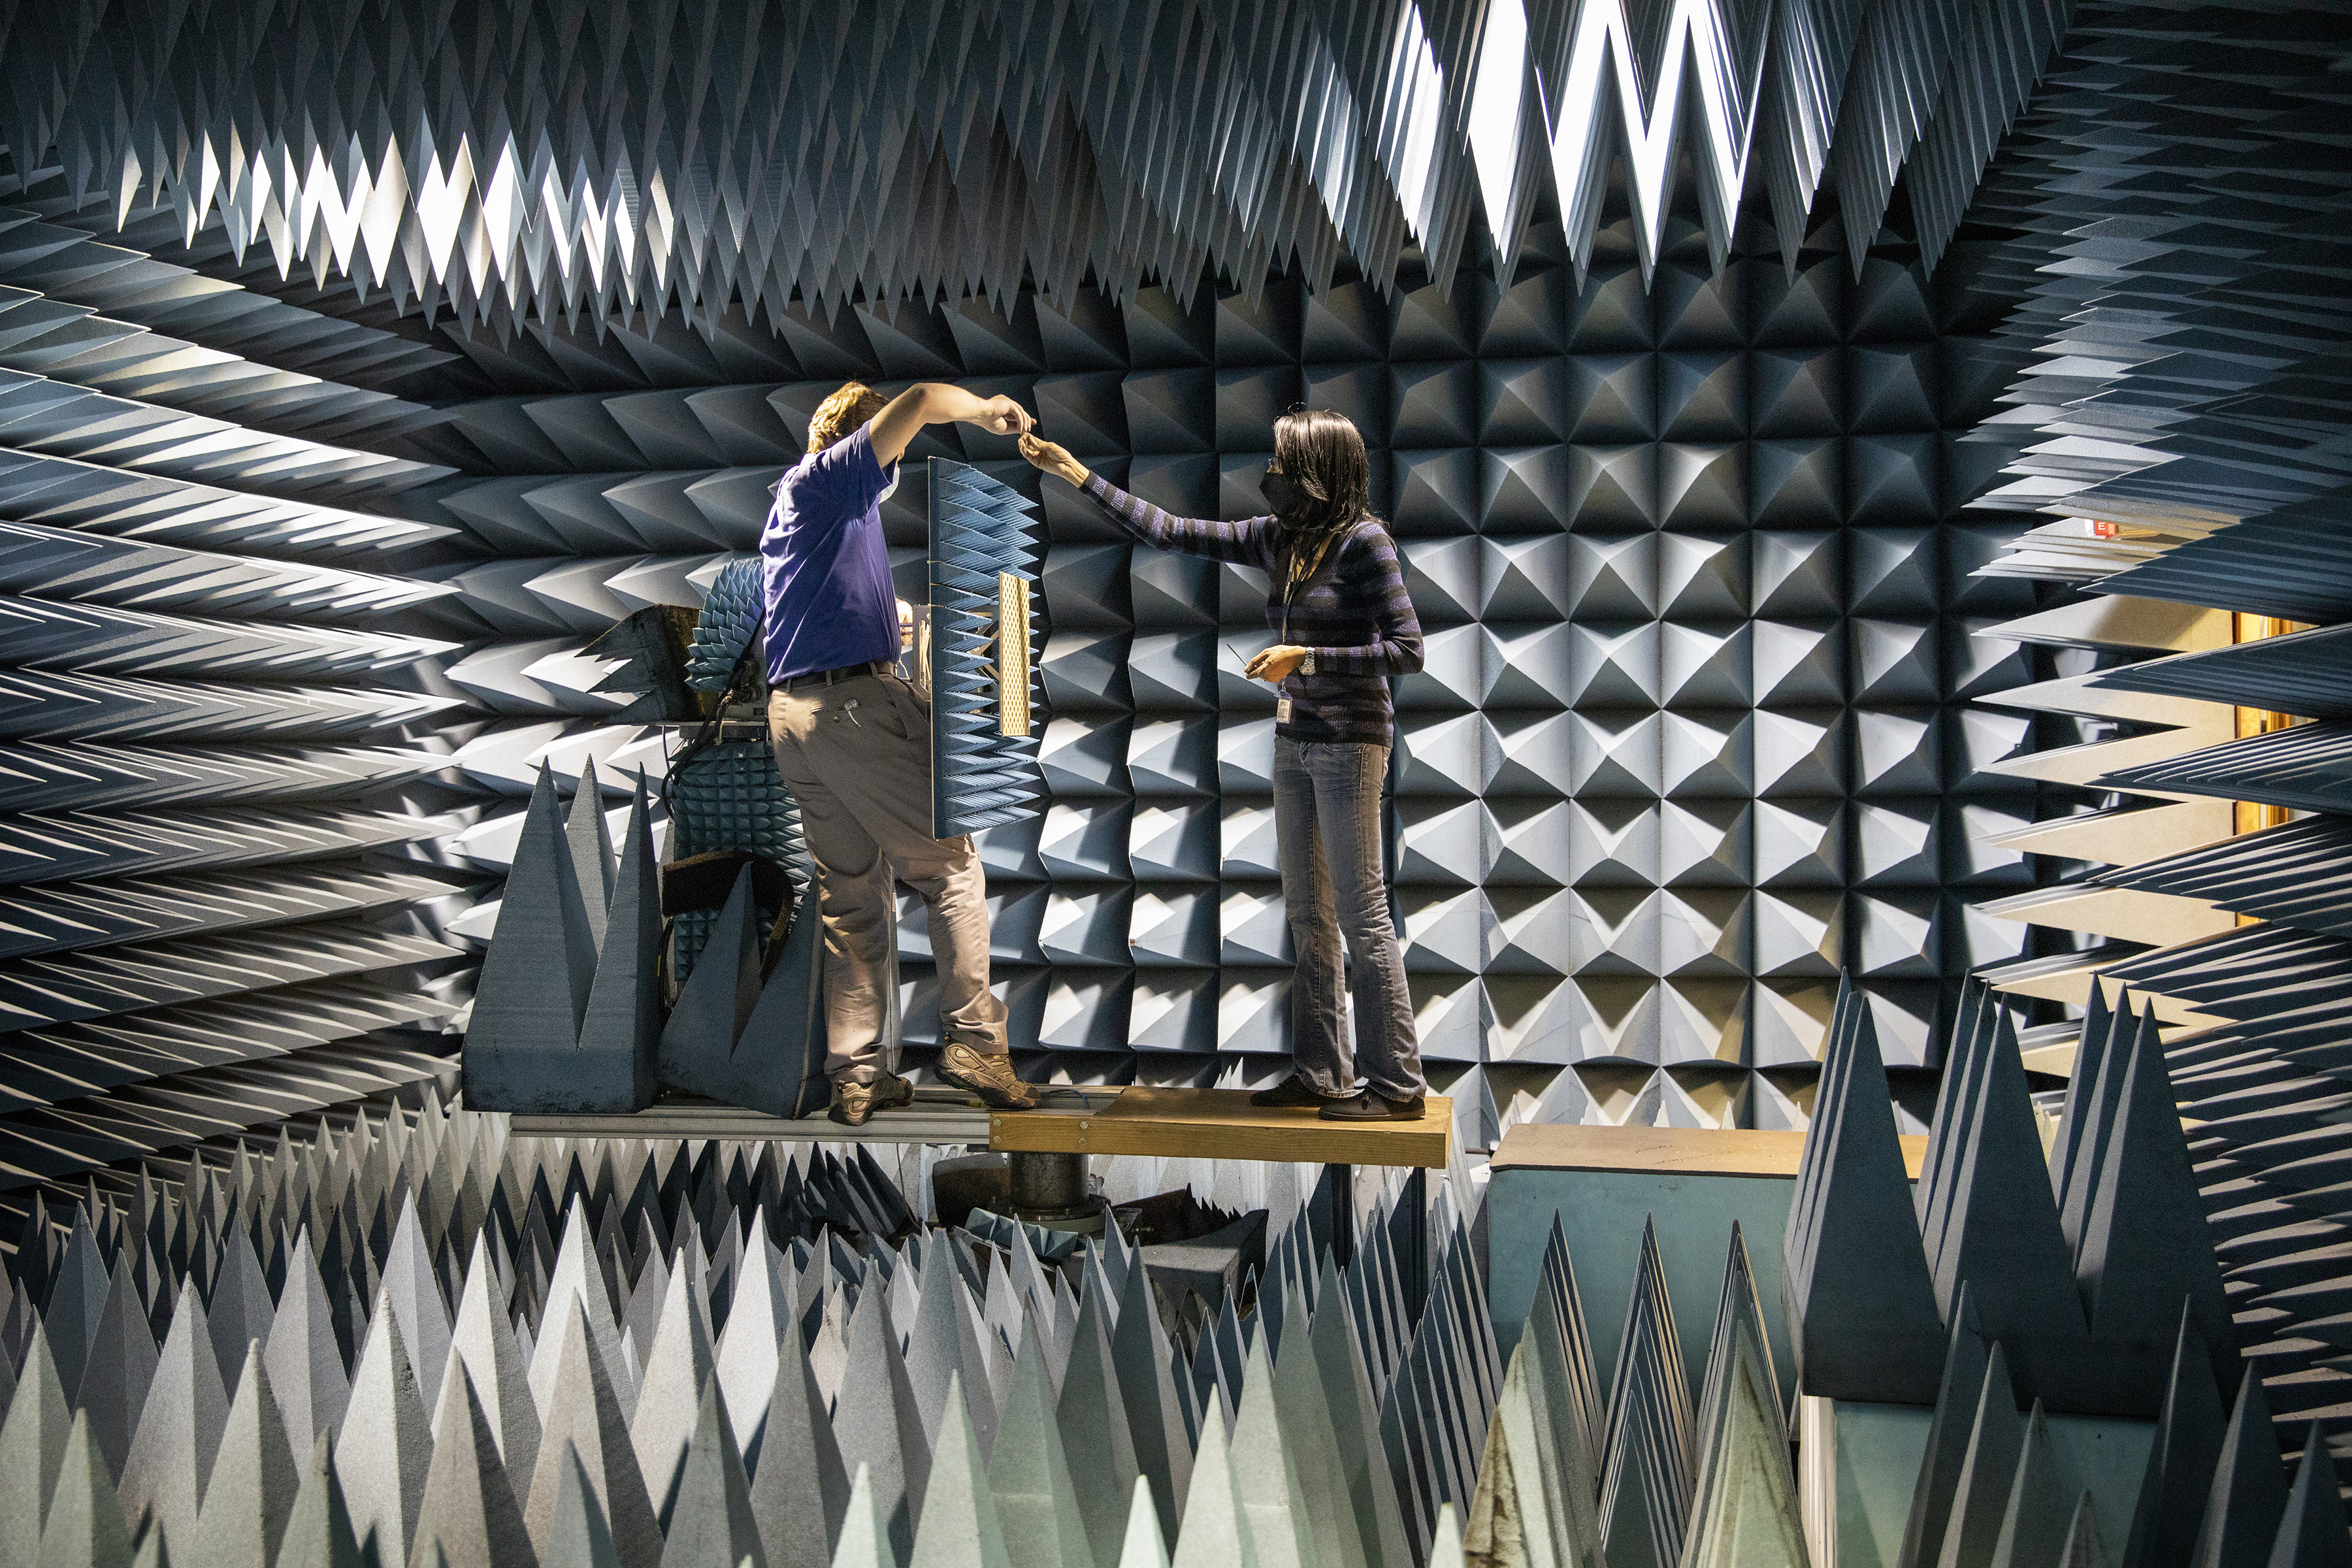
pixel 1353 612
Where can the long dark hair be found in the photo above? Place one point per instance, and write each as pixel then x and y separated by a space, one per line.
pixel 1323 454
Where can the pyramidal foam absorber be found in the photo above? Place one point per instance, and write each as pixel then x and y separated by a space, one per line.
pixel 986 551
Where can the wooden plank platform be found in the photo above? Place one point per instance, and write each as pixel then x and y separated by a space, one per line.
pixel 1221 1124
pixel 1691 1152
pixel 940 1115
pixel 1173 1123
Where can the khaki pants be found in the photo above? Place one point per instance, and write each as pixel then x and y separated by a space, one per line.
pixel 856 755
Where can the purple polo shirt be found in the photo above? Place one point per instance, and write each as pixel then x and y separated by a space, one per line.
pixel 825 571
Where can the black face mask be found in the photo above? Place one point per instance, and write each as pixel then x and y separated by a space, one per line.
pixel 1283 494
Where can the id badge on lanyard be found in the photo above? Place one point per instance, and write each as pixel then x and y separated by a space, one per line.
pixel 1281 704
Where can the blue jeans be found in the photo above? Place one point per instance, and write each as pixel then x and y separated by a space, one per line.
pixel 1327 823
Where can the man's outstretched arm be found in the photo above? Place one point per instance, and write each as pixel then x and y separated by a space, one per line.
pixel 938 402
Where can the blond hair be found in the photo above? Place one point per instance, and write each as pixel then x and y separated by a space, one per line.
pixel 843 413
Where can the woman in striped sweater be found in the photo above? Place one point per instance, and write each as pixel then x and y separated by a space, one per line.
pixel 1344 626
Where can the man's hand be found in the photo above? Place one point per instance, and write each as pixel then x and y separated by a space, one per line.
pixel 1043 453
pixel 1001 416
pixel 1275 663
pixel 906 626
pixel 936 403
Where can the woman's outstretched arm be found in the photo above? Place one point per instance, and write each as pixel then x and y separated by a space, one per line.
pixel 1248 542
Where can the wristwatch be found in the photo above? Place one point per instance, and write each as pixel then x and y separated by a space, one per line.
pixel 1307 664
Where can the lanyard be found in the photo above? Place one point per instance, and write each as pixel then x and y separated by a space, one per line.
pixel 1298 579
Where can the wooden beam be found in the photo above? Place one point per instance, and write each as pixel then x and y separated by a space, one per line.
pixel 940 1115
pixel 1221 1124
pixel 1691 1152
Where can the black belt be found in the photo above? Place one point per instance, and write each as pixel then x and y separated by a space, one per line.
pixel 842 672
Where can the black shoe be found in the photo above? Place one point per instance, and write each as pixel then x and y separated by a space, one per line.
pixel 854 1104
pixel 1294 1092
pixel 1372 1106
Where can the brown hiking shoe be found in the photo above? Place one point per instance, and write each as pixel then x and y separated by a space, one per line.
pixel 854 1104
pixel 987 1076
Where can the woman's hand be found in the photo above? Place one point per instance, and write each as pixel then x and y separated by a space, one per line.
pixel 1043 453
pixel 1275 663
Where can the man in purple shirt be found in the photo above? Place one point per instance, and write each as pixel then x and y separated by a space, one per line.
pixel 853 744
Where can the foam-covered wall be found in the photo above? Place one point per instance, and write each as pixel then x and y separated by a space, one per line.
pixel 1691 565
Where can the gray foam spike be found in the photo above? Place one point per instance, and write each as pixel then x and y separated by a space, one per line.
pixel 305 1363
pixel 180 1426
pixel 583 1417
pixel 2248 1491
pixel 985 1358
pixel 77 1300
pixel 1739 1330
pixel 524 1033
pixel 2088 1091
pixel 1513 1510
pixel 468 1513
pixel 1141 1546
pixel 1646 1488
pixel 2145 1244
pixel 721 990
pixel 591 848
pixel 415 1298
pixel 385 1445
pixel 1215 1532
pixel 668 1413
pixel 960 1524
pixel 2042 1498
pixel 800 1493
pixel 1355 1414
pixel 242 1312
pixel 1745 1508
pixel 1266 1469
pixel 865 1532
pixel 576 1531
pixel 319 1532
pixel 1948 1439
pixel 713 1525
pixel 8 1354
pixel 1987 1471
pixel 1029 1473
pixel 1312 1440
pixel 2312 1532
pixel 483 1345
pixel 1445 1541
pixel 2084 1548
pixel 32 1439
pixel 1097 1440
pixel 2183 1458
pixel 253 1483
pixel 85 1528
pixel 884 1431
pixel 935 1345
pixel 1860 1305
pixel 760 1327
pixel 578 1278
pixel 113 1389
pixel 784 1075
pixel 620 1028
pixel 1163 1450
pixel 1999 1231
pixel 641 1318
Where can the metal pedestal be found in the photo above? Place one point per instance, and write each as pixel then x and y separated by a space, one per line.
pixel 1053 1191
